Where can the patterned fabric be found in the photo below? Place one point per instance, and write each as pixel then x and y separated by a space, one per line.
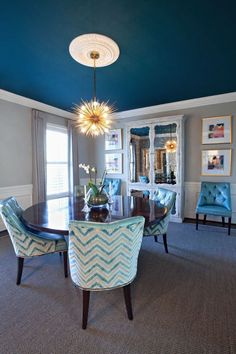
pixel 12 202
pixel 26 243
pixel 104 256
pixel 214 199
pixel 166 198
pixel 115 185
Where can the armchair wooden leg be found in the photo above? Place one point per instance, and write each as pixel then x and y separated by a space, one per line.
pixel 223 221
pixel 197 221
pixel 229 226
pixel 128 304
pixel 204 220
pixel 20 262
pixel 165 242
pixel 65 258
pixel 155 238
pixel 86 296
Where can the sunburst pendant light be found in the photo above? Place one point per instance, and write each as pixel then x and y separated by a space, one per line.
pixel 170 145
pixel 94 50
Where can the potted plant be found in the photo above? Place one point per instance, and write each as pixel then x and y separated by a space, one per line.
pixel 96 195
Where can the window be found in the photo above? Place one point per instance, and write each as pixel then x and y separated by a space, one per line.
pixel 57 161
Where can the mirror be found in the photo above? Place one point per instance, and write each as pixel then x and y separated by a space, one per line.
pixel 139 155
pixel 165 143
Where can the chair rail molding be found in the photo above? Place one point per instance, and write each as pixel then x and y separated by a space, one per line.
pixel 22 193
pixel 192 190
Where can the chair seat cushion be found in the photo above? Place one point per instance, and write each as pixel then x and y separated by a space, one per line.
pixel 213 210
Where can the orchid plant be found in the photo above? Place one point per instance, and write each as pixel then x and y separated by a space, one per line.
pixel 93 184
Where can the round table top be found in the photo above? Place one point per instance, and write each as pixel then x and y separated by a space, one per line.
pixel 54 215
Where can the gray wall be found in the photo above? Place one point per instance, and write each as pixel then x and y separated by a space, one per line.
pixel 15 145
pixel 193 139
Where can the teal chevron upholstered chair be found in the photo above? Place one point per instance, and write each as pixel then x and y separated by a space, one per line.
pixel 115 185
pixel 103 256
pixel 214 199
pixel 166 198
pixel 26 243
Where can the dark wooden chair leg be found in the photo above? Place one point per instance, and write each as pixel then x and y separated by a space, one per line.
pixel 86 296
pixel 229 226
pixel 223 221
pixel 20 262
pixel 165 242
pixel 204 220
pixel 65 258
pixel 128 304
pixel 197 221
pixel 155 238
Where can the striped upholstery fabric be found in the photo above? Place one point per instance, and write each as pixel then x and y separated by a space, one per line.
pixel 165 198
pixel 26 243
pixel 104 256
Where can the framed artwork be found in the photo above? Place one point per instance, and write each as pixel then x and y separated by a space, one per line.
pixel 117 206
pixel 113 139
pixel 216 130
pixel 113 163
pixel 216 162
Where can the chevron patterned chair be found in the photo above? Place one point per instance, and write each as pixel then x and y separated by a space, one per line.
pixel 214 199
pixel 26 243
pixel 103 256
pixel 166 198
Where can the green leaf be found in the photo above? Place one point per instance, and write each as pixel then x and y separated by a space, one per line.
pixel 93 187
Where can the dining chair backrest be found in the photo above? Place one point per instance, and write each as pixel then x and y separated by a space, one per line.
pixel 12 202
pixel 115 184
pixel 25 243
pixel 165 197
pixel 104 255
pixel 215 194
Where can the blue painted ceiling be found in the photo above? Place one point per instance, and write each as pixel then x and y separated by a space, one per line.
pixel 170 50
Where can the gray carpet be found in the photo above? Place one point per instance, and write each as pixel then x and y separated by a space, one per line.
pixel 183 302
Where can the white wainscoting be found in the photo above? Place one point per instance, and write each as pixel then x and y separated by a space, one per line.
pixel 192 190
pixel 23 195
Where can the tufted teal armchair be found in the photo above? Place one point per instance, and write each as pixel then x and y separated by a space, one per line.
pixel 214 199
pixel 166 198
pixel 26 243
pixel 103 256
pixel 115 185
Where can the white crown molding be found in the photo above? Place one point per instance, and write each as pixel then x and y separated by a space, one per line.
pixel 27 102
pixel 162 108
pixel 173 106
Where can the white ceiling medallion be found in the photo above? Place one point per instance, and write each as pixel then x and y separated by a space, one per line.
pixel 81 47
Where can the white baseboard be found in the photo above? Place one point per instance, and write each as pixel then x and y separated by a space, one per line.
pixel 23 195
pixel 192 190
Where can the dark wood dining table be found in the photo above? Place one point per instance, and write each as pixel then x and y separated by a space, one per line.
pixel 54 215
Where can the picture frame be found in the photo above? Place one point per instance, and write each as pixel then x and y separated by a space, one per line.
pixel 217 130
pixel 113 139
pixel 117 206
pixel 216 162
pixel 113 163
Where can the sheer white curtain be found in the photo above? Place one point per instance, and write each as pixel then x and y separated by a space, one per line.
pixel 39 126
pixel 38 152
pixel 73 155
